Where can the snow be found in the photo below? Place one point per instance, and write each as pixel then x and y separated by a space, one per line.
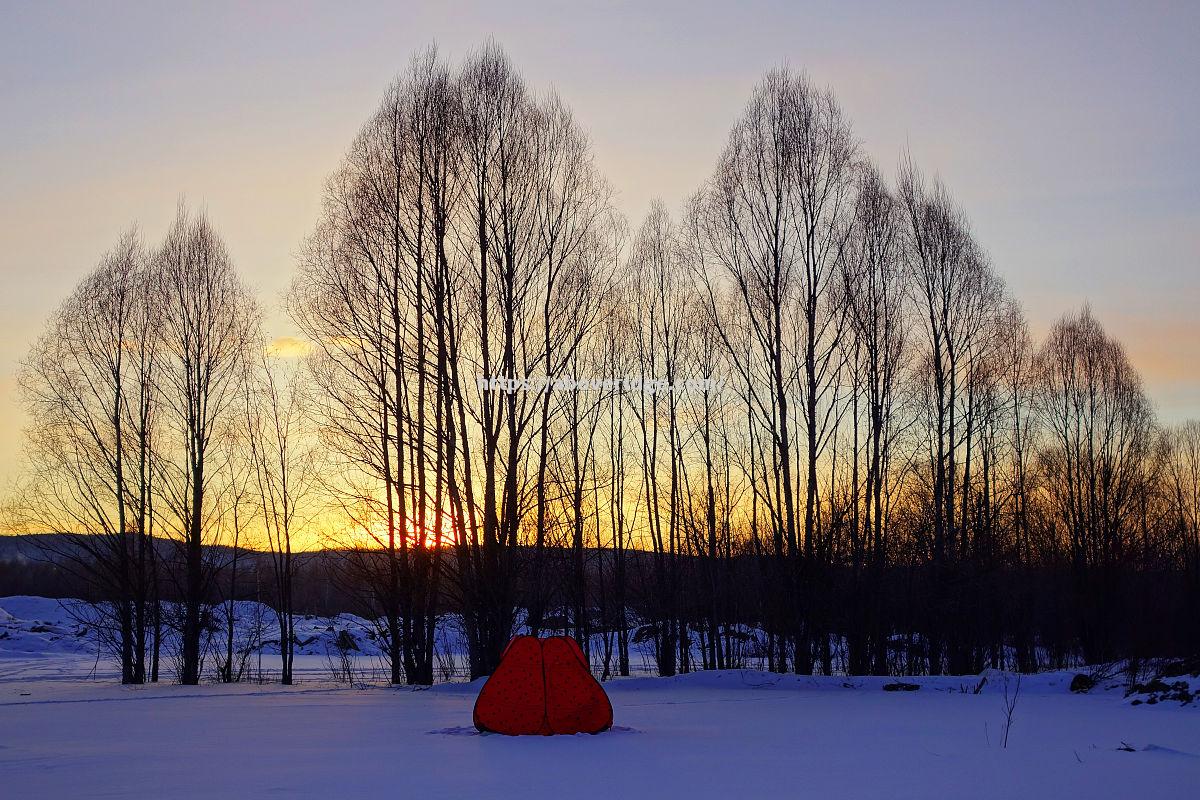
pixel 743 734
pixel 39 626
pixel 32 628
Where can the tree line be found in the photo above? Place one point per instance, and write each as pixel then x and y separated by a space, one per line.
pixel 892 476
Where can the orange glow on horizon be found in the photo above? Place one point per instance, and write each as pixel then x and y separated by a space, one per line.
pixel 375 534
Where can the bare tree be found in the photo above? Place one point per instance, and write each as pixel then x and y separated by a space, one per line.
pixel 535 220
pixel 1100 427
pixel 374 296
pixel 235 506
pixel 286 466
pixel 664 338
pixel 207 325
pixel 1183 477
pixel 776 222
pixel 88 385
pixel 1012 694
pixel 875 294
pixel 577 232
pixel 957 296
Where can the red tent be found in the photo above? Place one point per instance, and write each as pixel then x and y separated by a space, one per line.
pixel 542 686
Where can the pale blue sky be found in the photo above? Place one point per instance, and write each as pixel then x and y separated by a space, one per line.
pixel 1068 131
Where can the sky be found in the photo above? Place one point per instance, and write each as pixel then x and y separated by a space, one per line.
pixel 1068 132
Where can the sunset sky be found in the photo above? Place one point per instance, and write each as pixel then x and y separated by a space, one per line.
pixel 1069 134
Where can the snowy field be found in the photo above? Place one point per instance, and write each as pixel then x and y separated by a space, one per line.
pixel 731 734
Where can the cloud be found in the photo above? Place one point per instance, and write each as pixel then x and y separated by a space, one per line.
pixel 288 347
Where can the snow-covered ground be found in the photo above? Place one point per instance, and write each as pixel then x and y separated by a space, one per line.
pixel 717 734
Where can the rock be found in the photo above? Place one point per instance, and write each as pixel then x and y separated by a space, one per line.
pixel 1157 691
pixel 1082 684
pixel 901 686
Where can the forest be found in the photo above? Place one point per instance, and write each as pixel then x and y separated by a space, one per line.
pixel 799 422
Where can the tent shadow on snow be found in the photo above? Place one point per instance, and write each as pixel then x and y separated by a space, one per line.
pixel 542 687
pixel 471 730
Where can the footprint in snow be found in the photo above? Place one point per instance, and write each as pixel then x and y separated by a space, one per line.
pixel 456 730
